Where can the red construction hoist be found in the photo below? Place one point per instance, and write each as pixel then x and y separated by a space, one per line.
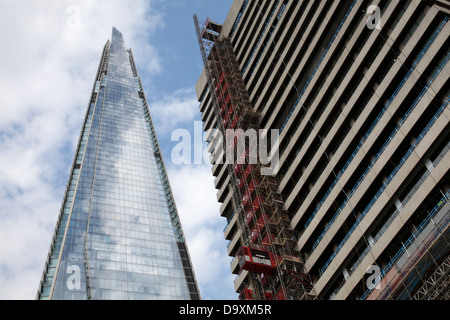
pixel 275 268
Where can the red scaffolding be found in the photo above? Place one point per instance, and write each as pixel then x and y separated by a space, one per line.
pixel 268 252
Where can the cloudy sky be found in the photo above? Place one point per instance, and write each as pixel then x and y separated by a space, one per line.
pixel 48 61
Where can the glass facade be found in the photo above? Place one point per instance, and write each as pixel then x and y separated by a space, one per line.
pixel 118 235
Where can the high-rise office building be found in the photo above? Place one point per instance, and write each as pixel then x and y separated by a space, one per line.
pixel 118 235
pixel 358 92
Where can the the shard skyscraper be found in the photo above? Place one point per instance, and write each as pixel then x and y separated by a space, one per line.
pixel 118 235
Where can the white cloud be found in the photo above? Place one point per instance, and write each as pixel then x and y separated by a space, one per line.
pixel 48 68
pixel 48 65
pixel 195 196
pixel 175 111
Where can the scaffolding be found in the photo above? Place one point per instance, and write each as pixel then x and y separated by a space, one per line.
pixel 268 252
pixel 422 260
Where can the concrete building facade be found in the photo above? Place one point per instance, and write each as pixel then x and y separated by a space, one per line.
pixel 359 91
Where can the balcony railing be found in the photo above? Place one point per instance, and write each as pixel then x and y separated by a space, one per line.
pixel 386 183
pixel 408 242
pixel 352 156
